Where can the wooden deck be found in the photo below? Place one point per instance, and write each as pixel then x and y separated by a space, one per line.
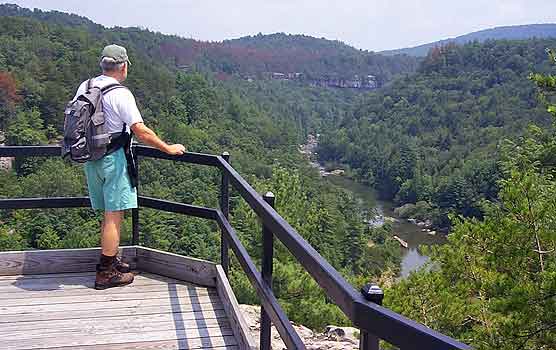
pixel 63 311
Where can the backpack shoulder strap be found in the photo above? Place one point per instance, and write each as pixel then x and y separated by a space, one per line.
pixel 111 87
pixel 89 84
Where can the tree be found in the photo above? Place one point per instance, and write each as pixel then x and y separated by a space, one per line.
pixel 8 97
pixel 10 240
pixel 26 129
pixel 8 89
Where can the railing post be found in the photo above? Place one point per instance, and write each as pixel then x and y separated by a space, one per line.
pixel 225 208
pixel 266 272
pixel 135 211
pixel 372 293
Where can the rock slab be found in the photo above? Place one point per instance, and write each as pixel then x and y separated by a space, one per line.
pixel 333 338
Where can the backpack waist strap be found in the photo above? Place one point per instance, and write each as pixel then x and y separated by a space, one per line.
pixel 118 140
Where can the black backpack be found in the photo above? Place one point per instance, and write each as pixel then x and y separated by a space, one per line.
pixel 85 136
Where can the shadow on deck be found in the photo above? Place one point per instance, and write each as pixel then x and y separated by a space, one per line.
pixel 47 301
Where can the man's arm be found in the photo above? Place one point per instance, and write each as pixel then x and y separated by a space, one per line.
pixel 147 136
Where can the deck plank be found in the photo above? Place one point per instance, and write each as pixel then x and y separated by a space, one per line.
pixel 129 290
pixel 55 260
pixel 185 317
pixel 199 271
pixel 193 296
pixel 103 305
pixel 59 308
pixel 119 338
pixel 105 327
pixel 77 283
pixel 205 309
pixel 217 343
pixel 76 278
pixel 81 274
pixel 46 275
pixel 237 322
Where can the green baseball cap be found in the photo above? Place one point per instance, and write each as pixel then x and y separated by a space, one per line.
pixel 116 52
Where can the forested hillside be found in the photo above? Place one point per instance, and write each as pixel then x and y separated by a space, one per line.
pixel 309 109
pixel 41 65
pixel 254 57
pixel 494 284
pixel 433 137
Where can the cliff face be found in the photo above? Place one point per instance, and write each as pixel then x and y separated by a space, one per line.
pixel 334 338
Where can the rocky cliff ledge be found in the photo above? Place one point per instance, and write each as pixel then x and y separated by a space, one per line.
pixel 333 338
pixel 6 163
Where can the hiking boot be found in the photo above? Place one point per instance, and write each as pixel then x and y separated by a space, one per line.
pixel 121 266
pixel 109 276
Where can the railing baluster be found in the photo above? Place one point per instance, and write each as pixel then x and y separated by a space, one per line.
pixel 135 226
pixel 225 208
pixel 372 293
pixel 135 212
pixel 266 273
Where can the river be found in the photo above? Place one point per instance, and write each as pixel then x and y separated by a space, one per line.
pixel 412 259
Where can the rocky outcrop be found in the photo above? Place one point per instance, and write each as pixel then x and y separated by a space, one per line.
pixel 6 163
pixel 333 338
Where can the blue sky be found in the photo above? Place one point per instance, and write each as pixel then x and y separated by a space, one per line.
pixel 367 24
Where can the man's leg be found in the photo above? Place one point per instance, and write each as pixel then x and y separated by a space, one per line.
pixel 110 239
pixel 107 272
pixel 117 197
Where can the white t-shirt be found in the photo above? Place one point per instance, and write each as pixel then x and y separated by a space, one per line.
pixel 119 105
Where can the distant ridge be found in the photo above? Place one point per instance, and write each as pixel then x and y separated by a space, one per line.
pixel 519 32
pixel 281 56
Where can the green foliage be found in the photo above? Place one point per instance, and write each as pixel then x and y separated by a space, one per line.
pixel 434 136
pixel 303 300
pixel 10 240
pixel 48 239
pixel 26 129
pixel 331 221
pixel 420 210
pixel 547 84
pixel 496 278
pixel 493 284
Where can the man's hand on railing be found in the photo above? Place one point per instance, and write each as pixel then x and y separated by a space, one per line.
pixel 149 137
pixel 175 150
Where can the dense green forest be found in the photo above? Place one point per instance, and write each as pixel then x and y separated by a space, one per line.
pixel 308 109
pixel 432 138
pixel 41 65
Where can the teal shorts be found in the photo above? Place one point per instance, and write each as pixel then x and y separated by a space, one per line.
pixel 109 184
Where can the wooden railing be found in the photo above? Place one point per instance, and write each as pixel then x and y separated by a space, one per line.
pixel 374 321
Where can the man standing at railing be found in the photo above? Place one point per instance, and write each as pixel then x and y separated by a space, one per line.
pixel 108 179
